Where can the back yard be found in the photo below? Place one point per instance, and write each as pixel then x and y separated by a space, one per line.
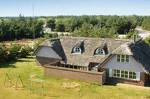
pixel 32 76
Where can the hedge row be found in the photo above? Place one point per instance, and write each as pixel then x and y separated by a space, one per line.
pixel 14 52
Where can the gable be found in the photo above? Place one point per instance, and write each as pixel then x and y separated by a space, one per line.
pixel 132 65
pixel 47 52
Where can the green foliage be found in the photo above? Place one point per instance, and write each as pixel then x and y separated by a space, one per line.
pixel 51 24
pixel 88 30
pixel 25 51
pixel 19 28
pixel 146 23
pixel 92 26
pixel 14 52
pixel 131 34
pixel 54 88
pixel 95 26
pixel 38 42
pixel 50 35
pixel 147 41
pixel 3 53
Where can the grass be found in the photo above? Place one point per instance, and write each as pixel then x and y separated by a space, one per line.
pixel 53 88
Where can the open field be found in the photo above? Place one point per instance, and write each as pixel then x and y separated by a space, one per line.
pixel 57 88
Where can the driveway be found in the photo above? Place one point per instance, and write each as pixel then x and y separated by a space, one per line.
pixel 143 33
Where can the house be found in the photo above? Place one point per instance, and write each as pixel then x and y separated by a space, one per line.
pixel 102 60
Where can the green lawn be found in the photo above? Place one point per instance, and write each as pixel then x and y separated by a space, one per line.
pixel 53 87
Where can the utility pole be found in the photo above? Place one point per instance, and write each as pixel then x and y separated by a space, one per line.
pixel 33 17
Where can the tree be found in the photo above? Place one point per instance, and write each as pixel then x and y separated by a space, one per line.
pixel 146 23
pixel 51 24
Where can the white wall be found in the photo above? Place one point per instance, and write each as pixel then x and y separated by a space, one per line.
pixel 132 65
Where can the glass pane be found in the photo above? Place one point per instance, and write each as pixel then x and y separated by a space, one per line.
pixel 118 58
pixel 122 58
pixel 127 58
pixel 122 74
pixel 130 75
pixel 134 77
pixel 118 71
pixel 126 74
pixel 118 75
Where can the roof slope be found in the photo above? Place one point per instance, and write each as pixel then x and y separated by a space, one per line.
pixel 141 53
pixel 63 48
pixel 47 52
pixel 139 50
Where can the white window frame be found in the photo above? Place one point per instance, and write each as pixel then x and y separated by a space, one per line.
pixel 76 50
pixel 122 58
pixel 99 51
pixel 125 74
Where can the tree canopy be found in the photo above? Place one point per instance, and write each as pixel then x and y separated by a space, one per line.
pixel 88 26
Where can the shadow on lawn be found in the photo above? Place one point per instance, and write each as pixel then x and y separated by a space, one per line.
pixel 20 60
pixel 12 63
pixel 8 65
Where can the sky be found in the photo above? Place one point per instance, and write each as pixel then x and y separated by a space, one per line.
pixel 74 7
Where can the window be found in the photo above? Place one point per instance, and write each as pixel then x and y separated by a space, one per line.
pixel 116 73
pixel 124 74
pixel 122 58
pixel 99 51
pixel 132 75
pixel 76 50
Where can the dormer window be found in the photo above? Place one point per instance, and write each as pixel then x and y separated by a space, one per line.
pixel 99 51
pixel 76 50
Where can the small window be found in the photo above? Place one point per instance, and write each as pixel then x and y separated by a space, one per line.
pixel 122 58
pixel 99 51
pixel 76 50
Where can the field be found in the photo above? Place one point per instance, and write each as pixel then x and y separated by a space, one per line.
pixel 37 86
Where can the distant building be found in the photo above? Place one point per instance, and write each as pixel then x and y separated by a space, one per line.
pixel 96 59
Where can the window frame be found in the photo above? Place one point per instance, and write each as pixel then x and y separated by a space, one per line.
pixel 124 74
pixel 76 50
pixel 122 58
pixel 99 51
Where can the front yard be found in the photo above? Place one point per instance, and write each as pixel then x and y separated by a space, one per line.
pixel 57 88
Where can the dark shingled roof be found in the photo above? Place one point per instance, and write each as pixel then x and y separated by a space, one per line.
pixel 141 53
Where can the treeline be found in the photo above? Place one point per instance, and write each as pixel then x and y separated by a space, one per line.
pixel 146 23
pixel 88 26
pixel 95 26
pixel 18 28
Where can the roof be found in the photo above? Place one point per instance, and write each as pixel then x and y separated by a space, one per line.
pixel 123 49
pixel 63 48
pixel 47 52
pixel 139 50
pixel 141 53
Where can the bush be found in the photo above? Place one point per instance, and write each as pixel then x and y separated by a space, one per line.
pixel 13 52
pixel 38 42
pixel 25 51
pixel 3 53
pixel 147 41
pixel 50 35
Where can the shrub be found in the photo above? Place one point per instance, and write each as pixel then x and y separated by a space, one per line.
pixel 3 53
pixel 14 52
pixel 25 51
